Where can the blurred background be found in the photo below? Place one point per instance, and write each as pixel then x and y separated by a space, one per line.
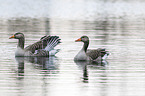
pixel 117 25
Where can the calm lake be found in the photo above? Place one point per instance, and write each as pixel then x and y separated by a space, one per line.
pixel 117 25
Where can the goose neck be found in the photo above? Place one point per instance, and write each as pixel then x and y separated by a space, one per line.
pixel 85 46
pixel 21 43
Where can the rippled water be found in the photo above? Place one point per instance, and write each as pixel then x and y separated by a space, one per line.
pixel 121 33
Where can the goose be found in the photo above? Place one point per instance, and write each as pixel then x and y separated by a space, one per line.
pixel 90 55
pixel 43 47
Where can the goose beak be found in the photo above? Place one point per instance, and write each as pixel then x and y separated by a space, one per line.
pixel 78 40
pixel 12 37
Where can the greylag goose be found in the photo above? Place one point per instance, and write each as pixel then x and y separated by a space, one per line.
pixel 44 47
pixel 89 55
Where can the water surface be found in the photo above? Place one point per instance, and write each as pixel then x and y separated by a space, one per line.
pixel 118 30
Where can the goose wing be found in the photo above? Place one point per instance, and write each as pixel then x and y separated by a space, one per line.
pixel 94 54
pixel 47 43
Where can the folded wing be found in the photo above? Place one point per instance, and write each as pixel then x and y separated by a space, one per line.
pixel 98 53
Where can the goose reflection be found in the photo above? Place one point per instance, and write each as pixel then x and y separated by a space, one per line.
pixel 43 63
pixel 20 61
pixel 83 65
pixel 102 63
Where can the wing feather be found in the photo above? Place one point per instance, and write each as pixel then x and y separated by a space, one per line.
pixel 46 42
pixel 94 54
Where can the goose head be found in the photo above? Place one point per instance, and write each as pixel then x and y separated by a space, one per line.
pixel 21 39
pixel 17 35
pixel 84 39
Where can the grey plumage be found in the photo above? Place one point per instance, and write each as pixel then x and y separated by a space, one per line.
pixel 40 48
pixel 94 54
pixel 86 54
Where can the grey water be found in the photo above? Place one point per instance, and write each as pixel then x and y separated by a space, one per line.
pixel 117 25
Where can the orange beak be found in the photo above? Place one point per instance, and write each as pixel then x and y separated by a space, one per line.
pixel 78 40
pixel 12 37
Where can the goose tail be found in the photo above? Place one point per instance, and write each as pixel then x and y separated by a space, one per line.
pixel 104 54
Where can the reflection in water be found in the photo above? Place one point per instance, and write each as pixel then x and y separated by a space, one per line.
pixel 43 63
pixel 20 61
pixel 83 66
pixel 102 63
pixel 47 26
pixel 28 25
pixel 99 75
pixel 103 82
pixel 85 73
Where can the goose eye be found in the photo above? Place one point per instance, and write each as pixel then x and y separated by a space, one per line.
pixel 82 38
